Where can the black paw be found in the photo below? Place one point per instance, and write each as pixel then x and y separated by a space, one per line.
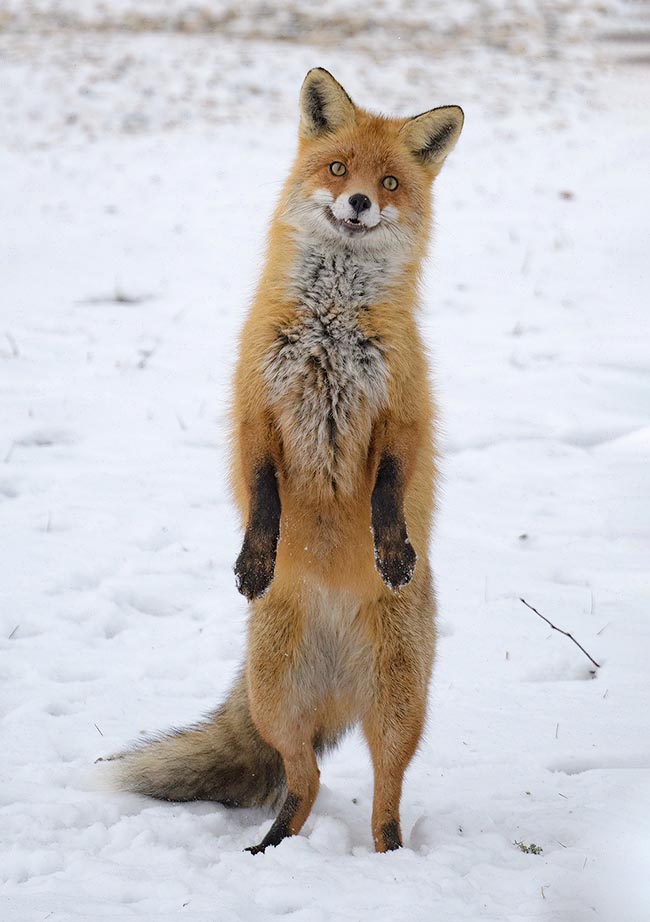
pixel 395 561
pixel 254 569
pixel 256 849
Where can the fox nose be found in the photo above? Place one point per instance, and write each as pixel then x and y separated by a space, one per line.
pixel 359 202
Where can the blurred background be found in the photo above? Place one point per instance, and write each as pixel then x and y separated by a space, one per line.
pixel 132 66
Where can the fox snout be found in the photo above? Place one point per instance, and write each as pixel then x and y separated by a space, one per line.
pixel 356 209
pixel 359 202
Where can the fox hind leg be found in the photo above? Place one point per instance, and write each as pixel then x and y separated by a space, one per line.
pixel 394 720
pixel 283 707
pixel 302 784
pixel 392 746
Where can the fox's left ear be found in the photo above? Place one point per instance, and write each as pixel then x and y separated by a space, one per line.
pixel 324 104
pixel 432 135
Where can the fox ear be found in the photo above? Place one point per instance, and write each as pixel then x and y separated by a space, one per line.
pixel 432 135
pixel 324 104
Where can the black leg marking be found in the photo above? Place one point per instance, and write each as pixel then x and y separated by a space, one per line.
pixel 256 563
pixel 391 836
pixel 394 554
pixel 280 829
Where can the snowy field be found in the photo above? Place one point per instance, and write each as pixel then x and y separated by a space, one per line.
pixel 138 172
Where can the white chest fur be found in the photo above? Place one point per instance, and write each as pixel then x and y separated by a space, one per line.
pixel 327 378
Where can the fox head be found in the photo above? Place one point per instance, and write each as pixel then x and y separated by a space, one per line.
pixel 361 180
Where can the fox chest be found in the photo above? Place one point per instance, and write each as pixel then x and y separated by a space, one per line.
pixel 327 377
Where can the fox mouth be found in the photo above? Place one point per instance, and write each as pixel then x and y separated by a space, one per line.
pixel 351 227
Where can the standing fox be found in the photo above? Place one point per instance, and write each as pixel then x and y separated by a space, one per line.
pixel 333 471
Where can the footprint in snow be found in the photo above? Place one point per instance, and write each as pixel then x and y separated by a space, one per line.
pixel 45 438
pixel 8 490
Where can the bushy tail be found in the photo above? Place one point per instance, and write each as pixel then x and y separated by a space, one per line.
pixel 222 758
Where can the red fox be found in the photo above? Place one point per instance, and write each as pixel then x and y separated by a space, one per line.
pixel 334 472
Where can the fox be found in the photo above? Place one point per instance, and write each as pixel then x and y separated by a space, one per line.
pixel 334 472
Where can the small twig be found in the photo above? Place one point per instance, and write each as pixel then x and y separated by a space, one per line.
pixel 559 629
pixel 118 297
pixel 145 356
pixel 15 351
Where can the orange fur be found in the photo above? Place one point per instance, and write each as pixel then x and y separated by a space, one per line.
pixel 333 326
pixel 326 542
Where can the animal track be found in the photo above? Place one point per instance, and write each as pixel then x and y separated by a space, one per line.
pixel 45 438
pixel 637 762
pixel 8 490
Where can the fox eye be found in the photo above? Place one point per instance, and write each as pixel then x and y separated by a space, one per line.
pixel 390 183
pixel 338 169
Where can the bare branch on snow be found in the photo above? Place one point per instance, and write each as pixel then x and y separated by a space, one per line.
pixel 559 629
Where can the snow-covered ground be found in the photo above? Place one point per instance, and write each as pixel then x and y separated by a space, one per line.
pixel 138 172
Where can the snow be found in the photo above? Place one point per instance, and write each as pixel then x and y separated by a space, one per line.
pixel 133 227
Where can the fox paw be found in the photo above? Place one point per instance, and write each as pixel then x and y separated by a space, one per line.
pixel 256 849
pixel 396 562
pixel 254 571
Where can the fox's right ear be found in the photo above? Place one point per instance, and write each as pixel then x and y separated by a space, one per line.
pixel 324 104
pixel 432 135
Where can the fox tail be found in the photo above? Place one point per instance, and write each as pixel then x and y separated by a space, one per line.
pixel 222 758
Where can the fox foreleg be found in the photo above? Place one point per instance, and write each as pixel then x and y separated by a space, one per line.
pixel 255 565
pixel 394 553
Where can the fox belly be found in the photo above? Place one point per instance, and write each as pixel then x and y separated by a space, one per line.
pixel 321 671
